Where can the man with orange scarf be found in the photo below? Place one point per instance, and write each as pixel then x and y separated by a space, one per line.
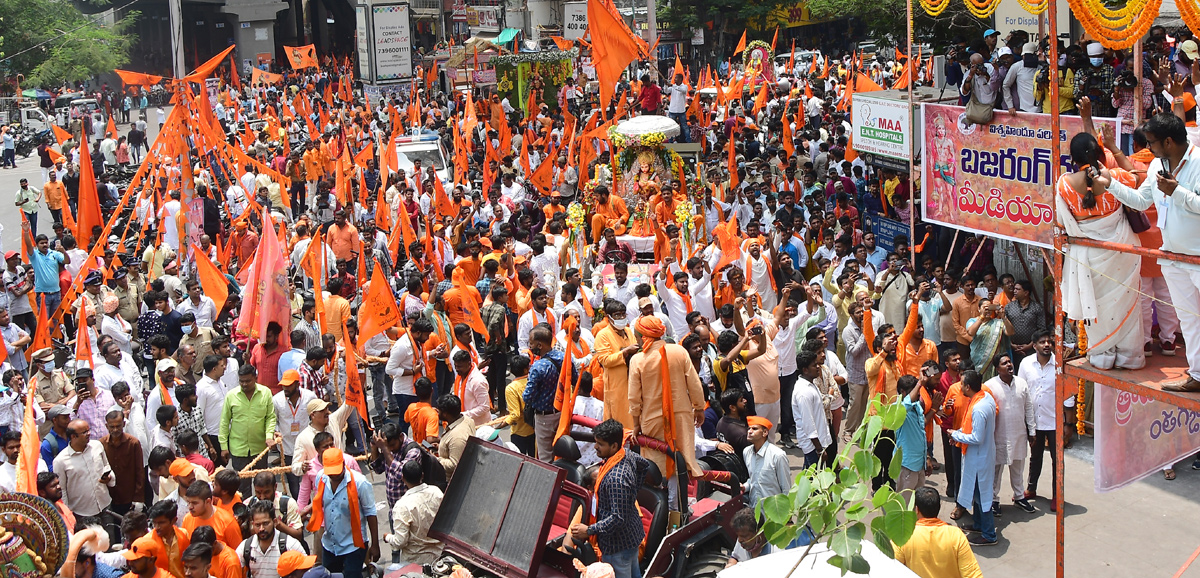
pixel 344 506
pixel 666 400
pixel 618 528
pixel 979 457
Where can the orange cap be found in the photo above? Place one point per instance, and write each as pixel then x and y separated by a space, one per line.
pixel 180 467
pixel 292 560
pixel 144 547
pixel 759 421
pixel 289 377
pixel 333 461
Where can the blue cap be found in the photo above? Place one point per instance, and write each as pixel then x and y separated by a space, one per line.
pixel 989 32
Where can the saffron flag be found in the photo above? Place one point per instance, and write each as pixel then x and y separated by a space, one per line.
pixel 302 56
pixel 60 134
pixel 613 46
pixel 211 279
pixel 263 77
pixel 205 70
pixel 129 78
pixel 379 311
pixel 41 336
pixel 27 460
pixel 83 343
pixel 741 45
pixel 266 290
pixel 354 388
pixel 89 199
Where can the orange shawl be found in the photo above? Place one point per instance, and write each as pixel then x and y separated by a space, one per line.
pixel 318 510
pixel 652 329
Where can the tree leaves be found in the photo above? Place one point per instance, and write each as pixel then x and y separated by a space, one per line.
pixel 57 43
pixel 899 525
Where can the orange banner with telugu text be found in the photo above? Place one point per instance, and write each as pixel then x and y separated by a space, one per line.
pixel 995 178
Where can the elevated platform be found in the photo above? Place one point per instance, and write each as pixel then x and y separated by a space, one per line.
pixel 1146 381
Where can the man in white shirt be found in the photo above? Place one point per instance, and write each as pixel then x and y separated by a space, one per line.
pixel 210 396
pixel 202 306
pixel 11 444
pixel 1021 75
pixel 677 300
pixel 677 92
pixel 1038 371
pixel 84 473
pixel 539 313
pixel 263 548
pixel 812 431
pixel 291 417
pixel 405 364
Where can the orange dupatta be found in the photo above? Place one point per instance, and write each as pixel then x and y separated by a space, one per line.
pixel 318 509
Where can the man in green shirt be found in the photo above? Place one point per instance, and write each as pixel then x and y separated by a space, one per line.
pixel 247 423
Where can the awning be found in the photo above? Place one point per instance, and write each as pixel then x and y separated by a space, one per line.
pixel 507 35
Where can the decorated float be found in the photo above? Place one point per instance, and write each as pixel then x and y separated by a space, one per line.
pixel 33 537
pixel 545 72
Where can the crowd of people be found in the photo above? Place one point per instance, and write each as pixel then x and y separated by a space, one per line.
pixel 760 326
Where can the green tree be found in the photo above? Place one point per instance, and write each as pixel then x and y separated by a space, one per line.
pixel 836 505
pixel 885 20
pixel 52 41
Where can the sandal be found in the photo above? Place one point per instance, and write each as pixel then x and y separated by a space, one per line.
pixel 1169 474
pixel 958 512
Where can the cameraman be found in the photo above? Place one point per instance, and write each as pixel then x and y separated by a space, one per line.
pixel 982 82
pixel 1125 97
pixel 1095 80
pixel 1021 74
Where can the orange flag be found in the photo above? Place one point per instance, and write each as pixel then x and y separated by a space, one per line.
pixel 562 43
pixel 379 305
pixel 111 129
pixel 83 343
pixel 60 134
pixel 774 39
pixel 234 79
pixel 129 78
pixel 788 141
pixel 760 100
pixel 211 279
pixel 41 337
pixel 613 45
pixel 368 153
pixel 354 388
pixel 89 198
pixel 302 57
pixel 270 288
pixel 542 177
pixel 205 70
pixel 27 460
pixel 263 77
pixel 741 44
pixel 825 68
pixel 733 175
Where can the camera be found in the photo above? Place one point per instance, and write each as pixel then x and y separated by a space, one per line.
pixel 1127 79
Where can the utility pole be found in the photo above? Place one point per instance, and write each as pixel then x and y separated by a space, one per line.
pixel 651 36
pixel 176 9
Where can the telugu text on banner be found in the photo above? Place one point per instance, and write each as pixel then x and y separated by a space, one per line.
pixel 1137 436
pixel 994 178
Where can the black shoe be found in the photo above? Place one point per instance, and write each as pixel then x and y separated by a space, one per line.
pixel 969 529
pixel 787 442
pixel 1196 464
pixel 996 509
pixel 979 541
pixel 1025 505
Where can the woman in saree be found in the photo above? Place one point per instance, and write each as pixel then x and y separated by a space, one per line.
pixel 989 337
pixel 1098 285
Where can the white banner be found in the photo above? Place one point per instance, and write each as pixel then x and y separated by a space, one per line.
pixel 574 20
pixel 392 40
pixel 1137 436
pixel 363 42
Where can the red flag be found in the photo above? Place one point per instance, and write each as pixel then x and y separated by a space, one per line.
pixel 89 199
pixel 267 291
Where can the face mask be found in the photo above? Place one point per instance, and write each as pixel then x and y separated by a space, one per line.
pixel 1096 61
pixel 1030 60
pixel 620 324
pixel 48 367
pixel 187 329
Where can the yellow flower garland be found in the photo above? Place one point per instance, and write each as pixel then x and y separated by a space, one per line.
pixel 984 9
pixel 1116 29
pixel 934 7
pixel 1036 7
pixel 1080 401
pixel 1190 13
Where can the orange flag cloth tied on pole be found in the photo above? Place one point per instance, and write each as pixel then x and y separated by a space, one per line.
pixel 613 46
pixel 378 310
pixel 27 460
pixel 266 289
pixel 302 56
pixel 568 382
pixel 205 70
pixel 129 78
pixel 89 199
pixel 212 280
pixel 354 389
pixel 261 76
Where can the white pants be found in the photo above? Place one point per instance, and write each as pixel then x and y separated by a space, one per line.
pixel 310 194
pixel 1016 478
pixel 1185 293
pixel 771 412
pixel 1168 321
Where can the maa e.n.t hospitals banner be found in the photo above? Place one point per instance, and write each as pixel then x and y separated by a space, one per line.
pixel 995 178
pixel 1137 436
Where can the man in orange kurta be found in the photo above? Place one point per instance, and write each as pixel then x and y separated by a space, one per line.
pixel 614 347
pixel 610 212
pixel 665 404
pixel 343 237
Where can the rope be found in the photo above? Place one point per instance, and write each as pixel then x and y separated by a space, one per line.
pixel 247 473
pixel 1134 289
pixel 254 461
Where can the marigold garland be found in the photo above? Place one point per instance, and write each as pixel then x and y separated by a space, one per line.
pixel 1036 7
pixel 984 9
pixel 1190 14
pixel 1116 29
pixel 1081 343
pixel 934 7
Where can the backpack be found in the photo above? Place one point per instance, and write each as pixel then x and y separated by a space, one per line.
pixel 250 541
pixel 53 441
